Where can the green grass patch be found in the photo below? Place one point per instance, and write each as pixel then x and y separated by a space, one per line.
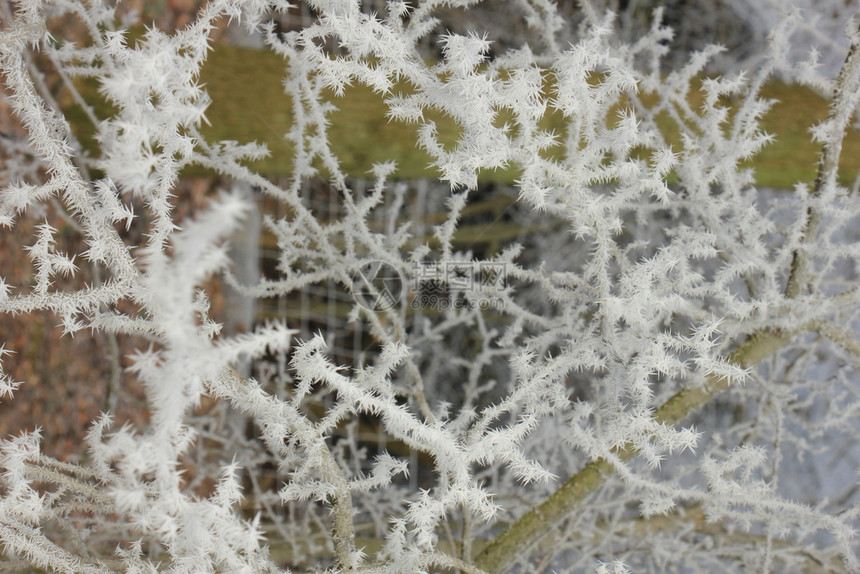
pixel 792 157
pixel 249 104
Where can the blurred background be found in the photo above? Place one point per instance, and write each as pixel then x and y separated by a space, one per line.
pixel 70 379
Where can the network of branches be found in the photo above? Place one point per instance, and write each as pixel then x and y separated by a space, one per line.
pixel 661 376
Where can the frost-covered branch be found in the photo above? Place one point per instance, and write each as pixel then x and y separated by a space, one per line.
pixel 664 333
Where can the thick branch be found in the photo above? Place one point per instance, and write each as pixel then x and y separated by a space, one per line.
pixel 845 339
pixel 533 525
pixel 846 95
